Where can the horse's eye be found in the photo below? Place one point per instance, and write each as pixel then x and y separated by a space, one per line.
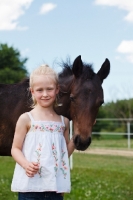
pixel 71 97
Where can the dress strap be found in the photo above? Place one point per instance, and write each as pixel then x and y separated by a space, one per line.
pixel 30 116
pixel 62 119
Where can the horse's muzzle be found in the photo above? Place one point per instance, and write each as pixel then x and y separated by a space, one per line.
pixel 81 144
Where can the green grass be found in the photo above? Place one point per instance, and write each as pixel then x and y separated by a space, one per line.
pixel 97 177
pixel 94 177
pixel 6 172
pixel 112 143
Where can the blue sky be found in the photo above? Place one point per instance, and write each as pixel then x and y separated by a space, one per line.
pixel 49 31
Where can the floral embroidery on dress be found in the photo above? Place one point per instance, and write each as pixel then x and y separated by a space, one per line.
pixel 38 152
pixel 55 157
pixel 49 128
pixel 64 167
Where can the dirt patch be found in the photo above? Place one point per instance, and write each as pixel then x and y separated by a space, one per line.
pixel 114 152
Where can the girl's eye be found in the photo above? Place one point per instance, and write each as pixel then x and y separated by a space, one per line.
pixel 39 90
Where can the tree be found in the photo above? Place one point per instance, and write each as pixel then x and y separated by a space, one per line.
pixel 12 66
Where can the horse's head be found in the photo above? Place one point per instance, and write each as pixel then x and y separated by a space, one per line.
pixel 81 95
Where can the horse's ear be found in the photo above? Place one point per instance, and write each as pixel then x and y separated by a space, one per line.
pixel 77 67
pixel 104 70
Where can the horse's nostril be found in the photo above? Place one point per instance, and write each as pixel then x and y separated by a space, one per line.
pixel 77 140
pixel 81 144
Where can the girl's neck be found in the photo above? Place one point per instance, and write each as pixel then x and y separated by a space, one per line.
pixel 45 114
pixel 44 110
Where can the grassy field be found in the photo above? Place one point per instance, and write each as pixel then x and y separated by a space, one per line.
pixel 111 142
pixel 94 177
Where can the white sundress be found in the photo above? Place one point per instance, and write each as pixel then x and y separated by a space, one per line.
pixel 45 144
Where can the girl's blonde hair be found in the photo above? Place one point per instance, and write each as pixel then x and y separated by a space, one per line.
pixel 42 70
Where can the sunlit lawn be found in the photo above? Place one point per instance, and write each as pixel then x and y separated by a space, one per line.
pixel 94 177
pixel 97 177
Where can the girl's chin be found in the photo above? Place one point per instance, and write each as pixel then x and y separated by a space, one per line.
pixel 45 105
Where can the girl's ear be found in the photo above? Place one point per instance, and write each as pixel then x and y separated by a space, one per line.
pixel 57 89
pixel 31 90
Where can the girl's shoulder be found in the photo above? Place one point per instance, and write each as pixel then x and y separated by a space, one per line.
pixel 24 118
pixel 24 121
pixel 24 115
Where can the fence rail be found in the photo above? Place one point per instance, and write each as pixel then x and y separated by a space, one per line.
pixel 127 133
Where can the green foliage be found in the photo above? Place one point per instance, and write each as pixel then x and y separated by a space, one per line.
pixel 119 109
pixel 12 66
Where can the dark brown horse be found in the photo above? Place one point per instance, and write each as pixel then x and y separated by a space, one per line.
pixel 79 99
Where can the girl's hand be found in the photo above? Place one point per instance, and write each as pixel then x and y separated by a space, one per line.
pixel 31 169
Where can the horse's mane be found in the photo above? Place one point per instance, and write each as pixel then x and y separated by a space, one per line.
pixel 88 72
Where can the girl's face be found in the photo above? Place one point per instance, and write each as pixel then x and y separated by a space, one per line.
pixel 44 90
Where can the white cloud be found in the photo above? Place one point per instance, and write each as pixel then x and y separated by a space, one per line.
pixel 47 7
pixel 126 47
pixel 121 4
pixel 10 11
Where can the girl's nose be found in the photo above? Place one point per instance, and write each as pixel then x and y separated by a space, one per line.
pixel 45 93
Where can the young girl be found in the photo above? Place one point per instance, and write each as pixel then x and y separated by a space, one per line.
pixel 41 143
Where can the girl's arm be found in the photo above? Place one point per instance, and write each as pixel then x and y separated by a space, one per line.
pixel 22 127
pixel 69 142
